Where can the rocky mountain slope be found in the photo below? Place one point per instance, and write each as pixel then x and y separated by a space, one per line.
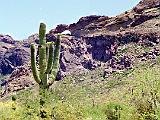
pixel 95 41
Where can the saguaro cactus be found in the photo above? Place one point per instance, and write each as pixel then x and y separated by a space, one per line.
pixel 48 59
pixel 48 64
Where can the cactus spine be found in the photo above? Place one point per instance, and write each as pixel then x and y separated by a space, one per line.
pixel 48 59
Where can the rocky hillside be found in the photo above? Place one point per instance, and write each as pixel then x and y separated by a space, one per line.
pixel 95 41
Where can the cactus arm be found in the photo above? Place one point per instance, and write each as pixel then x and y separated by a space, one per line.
pixel 33 64
pixel 56 53
pixel 56 57
pixel 50 58
pixel 42 31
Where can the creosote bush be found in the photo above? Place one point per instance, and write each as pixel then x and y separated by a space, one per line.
pixel 113 112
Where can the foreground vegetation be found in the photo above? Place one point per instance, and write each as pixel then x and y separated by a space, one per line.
pixel 130 95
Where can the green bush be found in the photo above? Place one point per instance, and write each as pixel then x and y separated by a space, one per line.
pixel 65 111
pixel 146 110
pixel 113 112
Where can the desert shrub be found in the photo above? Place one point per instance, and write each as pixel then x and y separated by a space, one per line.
pixel 65 111
pixel 145 110
pixel 113 112
pixel 57 111
pixel 20 113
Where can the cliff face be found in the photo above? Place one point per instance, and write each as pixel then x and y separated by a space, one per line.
pixel 94 41
pixel 11 55
pixel 127 21
pixel 147 4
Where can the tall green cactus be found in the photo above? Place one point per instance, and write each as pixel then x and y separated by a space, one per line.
pixel 48 59
pixel 48 64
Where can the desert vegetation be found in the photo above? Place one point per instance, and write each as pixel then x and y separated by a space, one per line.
pixel 125 96
pixel 100 68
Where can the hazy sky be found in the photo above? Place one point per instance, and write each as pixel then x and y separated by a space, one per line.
pixel 21 18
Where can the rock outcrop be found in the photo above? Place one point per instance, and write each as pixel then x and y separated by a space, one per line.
pixel 94 41
pixel 12 58
pixel 77 28
pixel 7 39
pixel 146 4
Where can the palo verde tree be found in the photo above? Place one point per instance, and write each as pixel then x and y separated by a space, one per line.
pixel 48 61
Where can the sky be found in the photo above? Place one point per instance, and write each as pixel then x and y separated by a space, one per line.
pixel 21 18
